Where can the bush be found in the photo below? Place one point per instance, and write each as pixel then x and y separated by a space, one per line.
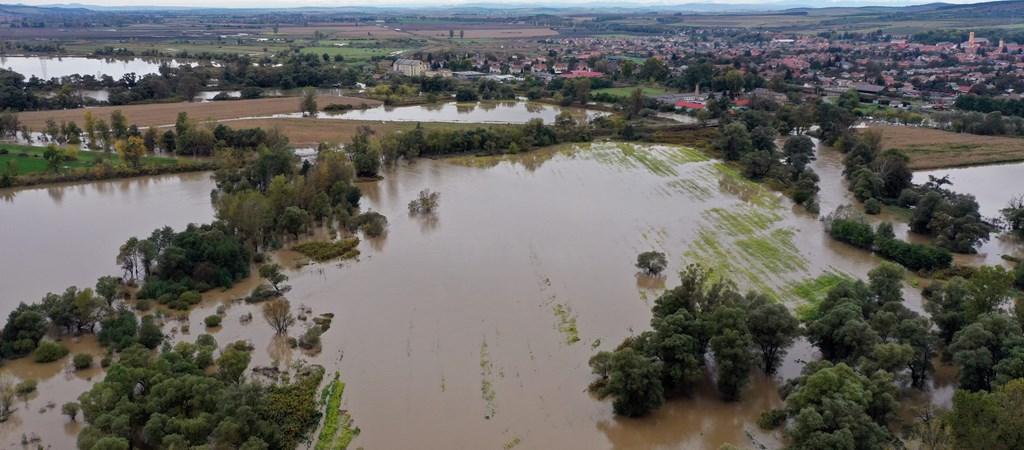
pixel 652 263
pixel 70 409
pixel 915 256
pixel 105 362
pixel 26 387
pixel 801 195
pixel 261 293
pixel 853 232
pixel 50 351
pixel 371 223
pixel 771 419
pixel 327 250
pixel 143 305
pixel 212 321
pixel 310 339
pixel 812 206
pixel 872 206
pixel 337 107
pixel 82 361
pixel 206 340
pixel 190 298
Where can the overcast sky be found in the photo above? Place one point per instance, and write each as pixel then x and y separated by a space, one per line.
pixel 421 3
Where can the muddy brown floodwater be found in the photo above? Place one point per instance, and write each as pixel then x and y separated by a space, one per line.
pixel 471 328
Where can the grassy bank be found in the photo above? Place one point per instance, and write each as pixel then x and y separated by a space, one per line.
pixel 32 169
pixel 29 159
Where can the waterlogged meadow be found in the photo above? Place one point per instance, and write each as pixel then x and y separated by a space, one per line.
pixel 472 327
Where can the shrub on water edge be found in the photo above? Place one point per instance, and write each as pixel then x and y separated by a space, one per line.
pixel 310 339
pixel 50 351
pixel 327 250
pixel 771 419
pixel 212 321
pixel 26 387
pixel 872 206
pixel 82 361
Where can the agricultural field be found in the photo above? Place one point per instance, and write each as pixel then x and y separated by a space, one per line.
pixel 929 148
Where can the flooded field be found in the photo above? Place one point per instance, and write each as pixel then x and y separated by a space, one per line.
pixel 55 67
pixel 479 112
pixel 471 328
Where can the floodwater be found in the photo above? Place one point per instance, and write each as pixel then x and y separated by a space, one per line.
pixel 480 112
pixel 993 186
pixel 47 67
pixel 983 182
pixel 69 234
pixel 447 330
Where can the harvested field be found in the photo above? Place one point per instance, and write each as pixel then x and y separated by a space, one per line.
pixel 929 148
pixel 166 113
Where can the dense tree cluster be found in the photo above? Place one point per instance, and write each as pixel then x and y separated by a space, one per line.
pixel 264 196
pixel 752 141
pixel 952 218
pixel 701 314
pixel 835 406
pixel 171 265
pixel 174 400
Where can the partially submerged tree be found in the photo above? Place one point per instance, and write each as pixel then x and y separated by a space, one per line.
pixel 278 313
pixel 427 202
pixel 308 104
pixel 651 263
pixel 272 273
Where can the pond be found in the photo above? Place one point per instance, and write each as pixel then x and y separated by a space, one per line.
pixel 457 328
pixel 480 112
pixel 47 67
